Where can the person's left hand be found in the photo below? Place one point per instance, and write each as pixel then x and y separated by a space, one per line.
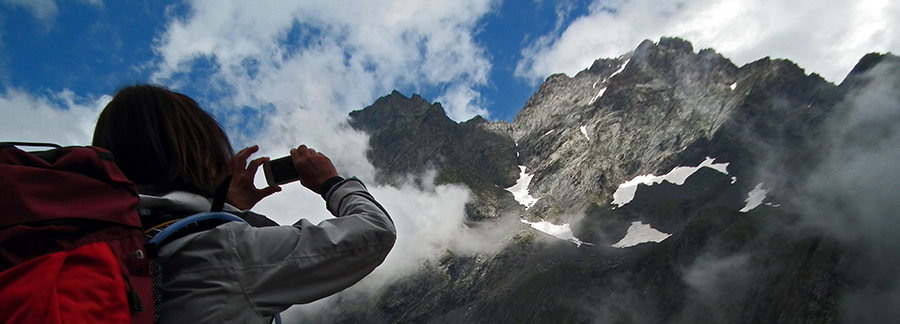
pixel 242 193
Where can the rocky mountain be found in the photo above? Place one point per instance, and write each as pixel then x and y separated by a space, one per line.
pixel 412 136
pixel 781 226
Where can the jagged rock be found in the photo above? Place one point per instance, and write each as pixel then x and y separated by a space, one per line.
pixel 409 136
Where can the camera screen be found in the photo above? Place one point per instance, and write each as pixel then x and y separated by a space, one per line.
pixel 281 171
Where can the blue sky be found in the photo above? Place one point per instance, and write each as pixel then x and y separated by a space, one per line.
pixel 92 48
pixel 282 73
pixel 476 56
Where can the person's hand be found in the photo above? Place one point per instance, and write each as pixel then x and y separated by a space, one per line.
pixel 242 193
pixel 314 167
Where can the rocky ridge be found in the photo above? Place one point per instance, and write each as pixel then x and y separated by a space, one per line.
pixel 651 110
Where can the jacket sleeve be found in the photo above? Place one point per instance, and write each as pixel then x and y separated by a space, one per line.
pixel 286 265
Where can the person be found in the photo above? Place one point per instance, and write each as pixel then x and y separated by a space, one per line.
pixel 236 272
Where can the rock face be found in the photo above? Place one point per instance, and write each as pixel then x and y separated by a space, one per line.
pixel 652 110
pixel 647 112
pixel 412 136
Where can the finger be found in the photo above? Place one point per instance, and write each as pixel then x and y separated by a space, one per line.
pixel 243 152
pixel 241 157
pixel 254 165
pixel 265 192
pixel 233 161
pixel 304 151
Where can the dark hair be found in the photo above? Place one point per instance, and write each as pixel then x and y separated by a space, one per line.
pixel 164 139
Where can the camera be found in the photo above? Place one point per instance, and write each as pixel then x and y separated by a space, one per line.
pixel 280 171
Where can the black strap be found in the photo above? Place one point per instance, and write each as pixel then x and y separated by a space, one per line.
pixel 218 203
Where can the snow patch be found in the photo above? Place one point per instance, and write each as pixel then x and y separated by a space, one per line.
pixel 622 68
pixel 597 96
pixel 733 86
pixel 548 132
pixel 559 231
pixel 520 189
pixel 584 131
pixel 626 191
pixel 639 233
pixel 755 198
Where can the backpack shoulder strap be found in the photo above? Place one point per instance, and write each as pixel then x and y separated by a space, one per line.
pixel 218 203
pixel 188 225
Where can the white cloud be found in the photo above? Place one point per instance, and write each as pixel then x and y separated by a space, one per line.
pixel 316 61
pixel 62 118
pixel 462 103
pixel 353 51
pixel 430 222
pixel 824 37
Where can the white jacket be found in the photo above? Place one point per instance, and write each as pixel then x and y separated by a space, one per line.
pixel 236 273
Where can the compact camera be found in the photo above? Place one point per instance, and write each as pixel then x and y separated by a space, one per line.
pixel 280 171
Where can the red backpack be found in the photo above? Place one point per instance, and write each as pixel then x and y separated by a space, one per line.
pixel 71 244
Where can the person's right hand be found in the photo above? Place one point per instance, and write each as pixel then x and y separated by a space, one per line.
pixel 314 167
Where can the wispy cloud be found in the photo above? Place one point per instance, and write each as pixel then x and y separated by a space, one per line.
pixel 44 11
pixel 825 37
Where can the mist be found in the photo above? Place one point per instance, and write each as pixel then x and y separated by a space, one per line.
pixel 848 196
pixel 852 195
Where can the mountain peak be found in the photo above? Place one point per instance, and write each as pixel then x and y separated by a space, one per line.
pixel 665 44
pixel 870 60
